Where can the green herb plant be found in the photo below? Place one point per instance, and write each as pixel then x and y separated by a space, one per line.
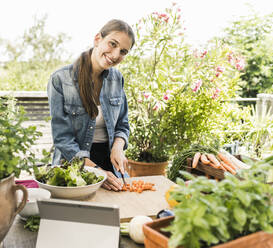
pixel 32 223
pixel 211 212
pixel 15 140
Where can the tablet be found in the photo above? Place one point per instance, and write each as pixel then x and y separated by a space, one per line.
pixel 77 224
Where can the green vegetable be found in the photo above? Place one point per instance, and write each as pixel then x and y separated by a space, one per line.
pixel 211 212
pixel 68 174
pixel 32 223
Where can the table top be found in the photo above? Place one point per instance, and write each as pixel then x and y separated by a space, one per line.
pixel 130 204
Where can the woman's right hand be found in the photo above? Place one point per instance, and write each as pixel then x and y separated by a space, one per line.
pixel 112 182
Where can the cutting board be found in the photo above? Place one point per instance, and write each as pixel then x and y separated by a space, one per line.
pixel 132 203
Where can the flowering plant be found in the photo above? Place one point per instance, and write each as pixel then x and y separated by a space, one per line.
pixel 166 83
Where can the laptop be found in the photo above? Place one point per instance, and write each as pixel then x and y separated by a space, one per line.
pixel 77 224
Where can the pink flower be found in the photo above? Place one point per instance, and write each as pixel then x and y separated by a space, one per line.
pixel 197 85
pixel 217 74
pixel 204 53
pixel 166 19
pixel 220 69
pixel 240 64
pixel 157 106
pixel 230 57
pixel 147 95
pixel 216 93
pixel 139 100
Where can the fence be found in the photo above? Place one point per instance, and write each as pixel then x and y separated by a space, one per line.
pixel 35 104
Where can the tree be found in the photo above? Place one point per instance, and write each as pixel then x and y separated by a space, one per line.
pixel 32 57
pixel 252 37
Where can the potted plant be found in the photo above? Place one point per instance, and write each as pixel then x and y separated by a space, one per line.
pixel 146 73
pixel 14 157
pixel 235 212
pixel 173 92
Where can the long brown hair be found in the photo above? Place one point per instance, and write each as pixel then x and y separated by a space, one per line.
pixel 83 66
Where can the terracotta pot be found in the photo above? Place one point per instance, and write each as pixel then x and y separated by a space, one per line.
pixel 136 169
pixel 8 203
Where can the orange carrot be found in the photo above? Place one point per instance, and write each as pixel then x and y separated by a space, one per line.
pixel 196 159
pixel 226 160
pixel 222 167
pixel 228 168
pixel 213 160
pixel 213 165
pixel 204 159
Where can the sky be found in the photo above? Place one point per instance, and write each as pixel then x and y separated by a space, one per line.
pixel 82 19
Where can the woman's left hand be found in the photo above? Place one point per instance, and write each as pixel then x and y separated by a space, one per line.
pixel 117 156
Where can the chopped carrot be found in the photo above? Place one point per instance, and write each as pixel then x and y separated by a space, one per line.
pixel 138 186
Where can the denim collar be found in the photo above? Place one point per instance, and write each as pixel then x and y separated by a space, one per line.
pixel 74 73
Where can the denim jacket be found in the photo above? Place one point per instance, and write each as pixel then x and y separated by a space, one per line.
pixel 72 128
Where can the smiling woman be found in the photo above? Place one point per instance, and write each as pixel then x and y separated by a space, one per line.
pixel 88 105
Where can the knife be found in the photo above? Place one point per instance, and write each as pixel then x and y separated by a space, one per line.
pixel 122 176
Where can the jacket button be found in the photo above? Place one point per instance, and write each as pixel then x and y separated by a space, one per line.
pixel 74 113
pixel 91 127
pixel 87 144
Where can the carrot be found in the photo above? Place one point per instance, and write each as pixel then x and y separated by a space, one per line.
pixel 138 186
pixel 196 159
pixel 228 168
pixel 213 165
pixel 226 160
pixel 222 167
pixel 204 159
pixel 213 160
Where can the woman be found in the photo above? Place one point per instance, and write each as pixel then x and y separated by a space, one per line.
pixel 88 105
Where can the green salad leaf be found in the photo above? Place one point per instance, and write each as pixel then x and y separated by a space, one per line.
pixel 69 174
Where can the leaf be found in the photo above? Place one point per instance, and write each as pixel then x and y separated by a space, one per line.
pixel 240 215
pixel 207 236
pixel 212 219
pixel 243 196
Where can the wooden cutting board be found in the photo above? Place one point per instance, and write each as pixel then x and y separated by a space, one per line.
pixel 131 203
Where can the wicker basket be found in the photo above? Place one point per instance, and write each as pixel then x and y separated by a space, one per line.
pixel 155 238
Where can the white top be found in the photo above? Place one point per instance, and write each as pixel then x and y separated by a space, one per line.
pixel 100 134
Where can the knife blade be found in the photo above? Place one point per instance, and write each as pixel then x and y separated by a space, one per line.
pixel 122 176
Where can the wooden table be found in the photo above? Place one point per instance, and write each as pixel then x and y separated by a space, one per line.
pixel 132 203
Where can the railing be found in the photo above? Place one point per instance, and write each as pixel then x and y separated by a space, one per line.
pixel 35 103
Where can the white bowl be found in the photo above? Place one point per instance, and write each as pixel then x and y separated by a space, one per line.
pixel 77 192
pixel 31 207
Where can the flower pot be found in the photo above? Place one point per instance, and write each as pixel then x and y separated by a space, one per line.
pixel 8 203
pixel 136 169
pixel 155 238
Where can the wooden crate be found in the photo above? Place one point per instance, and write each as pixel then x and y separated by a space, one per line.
pixel 203 169
pixel 155 238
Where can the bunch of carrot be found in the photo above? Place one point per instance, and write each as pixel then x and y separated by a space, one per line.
pixel 138 186
pixel 222 160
